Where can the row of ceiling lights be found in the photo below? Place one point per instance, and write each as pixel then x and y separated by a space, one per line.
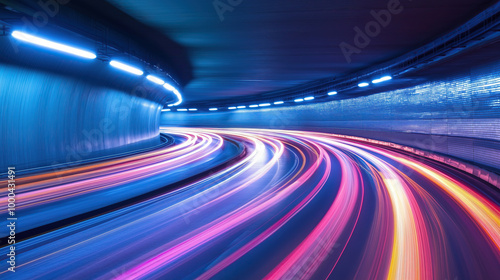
pixel 297 100
pixel 133 70
pixel 245 106
pixel 90 55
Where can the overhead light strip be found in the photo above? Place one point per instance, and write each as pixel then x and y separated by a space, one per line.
pixel 52 45
pixel 126 68
pixel 42 42
pixel 155 80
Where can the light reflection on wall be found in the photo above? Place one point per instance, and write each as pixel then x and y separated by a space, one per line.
pixel 48 119
pixel 457 116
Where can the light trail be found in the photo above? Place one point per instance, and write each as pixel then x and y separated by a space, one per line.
pixel 258 204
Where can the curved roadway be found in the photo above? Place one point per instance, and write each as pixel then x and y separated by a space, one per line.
pixel 252 204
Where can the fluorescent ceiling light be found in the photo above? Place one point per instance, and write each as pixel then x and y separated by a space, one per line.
pixel 264 104
pixel 383 79
pixel 126 68
pixel 169 87
pixel 332 93
pixel 155 80
pixel 213 109
pixel 278 102
pixel 193 109
pixel 241 107
pixel 231 108
pixel 182 110
pixel 253 106
pixel 52 45
pixel 309 98
pixel 165 110
pixel 363 84
pixel 299 100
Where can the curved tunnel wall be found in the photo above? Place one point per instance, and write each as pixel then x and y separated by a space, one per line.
pixel 457 116
pixel 52 120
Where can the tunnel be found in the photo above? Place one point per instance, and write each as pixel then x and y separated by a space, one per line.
pixel 236 139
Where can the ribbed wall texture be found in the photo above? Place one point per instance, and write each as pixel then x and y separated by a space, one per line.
pixel 458 116
pixel 48 119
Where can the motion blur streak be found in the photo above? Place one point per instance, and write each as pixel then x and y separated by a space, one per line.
pixel 252 204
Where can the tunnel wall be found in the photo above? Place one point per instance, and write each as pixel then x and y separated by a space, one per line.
pixel 52 120
pixel 457 116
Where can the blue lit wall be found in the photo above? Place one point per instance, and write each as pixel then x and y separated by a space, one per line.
pixel 48 119
pixel 457 116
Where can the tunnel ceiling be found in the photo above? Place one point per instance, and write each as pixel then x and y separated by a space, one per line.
pixel 257 46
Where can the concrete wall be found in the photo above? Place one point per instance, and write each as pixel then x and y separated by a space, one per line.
pixel 47 119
